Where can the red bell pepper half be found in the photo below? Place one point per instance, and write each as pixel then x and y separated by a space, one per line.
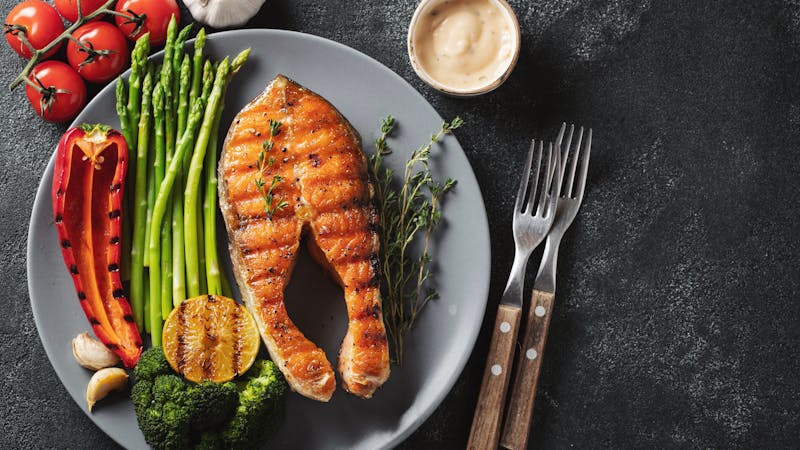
pixel 87 203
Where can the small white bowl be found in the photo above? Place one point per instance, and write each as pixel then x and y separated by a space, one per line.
pixel 491 85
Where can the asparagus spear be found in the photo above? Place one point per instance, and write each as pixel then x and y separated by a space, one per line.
pixel 140 207
pixel 138 68
pixel 198 75
pixel 166 79
pixel 177 58
pixel 178 268
pixel 151 192
pixel 166 260
pixel 191 194
pixel 215 279
pixel 122 110
pixel 210 211
pixel 159 99
pixel 201 244
pixel 199 241
pixel 122 113
pixel 162 262
pixel 192 124
pixel 184 84
pixel 159 162
pixel 197 65
pixel 238 62
pixel 152 167
pixel 178 54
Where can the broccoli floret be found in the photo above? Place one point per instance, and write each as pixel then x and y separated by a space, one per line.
pixel 176 421
pixel 151 364
pixel 142 395
pixel 212 404
pixel 162 412
pixel 261 407
pixel 169 388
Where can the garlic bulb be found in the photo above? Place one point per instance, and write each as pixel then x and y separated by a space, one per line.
pixel 223 13
pixel 91 353
pixel 104 381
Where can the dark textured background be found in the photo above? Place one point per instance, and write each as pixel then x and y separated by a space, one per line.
pixel 676 322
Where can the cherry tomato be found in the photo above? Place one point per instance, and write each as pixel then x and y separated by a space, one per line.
pixel 148 15
pixel 38 22
pixel 59 93
pixel 102 53
pixel 69 8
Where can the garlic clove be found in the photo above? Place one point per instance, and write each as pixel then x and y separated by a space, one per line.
pixel 223 13
pixel 91 353
pixel 104 381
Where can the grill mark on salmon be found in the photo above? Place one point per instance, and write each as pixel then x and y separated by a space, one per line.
pixel 329 198
pixel 336 234
pixel 266 274
pixel 278 192
pixel 350 258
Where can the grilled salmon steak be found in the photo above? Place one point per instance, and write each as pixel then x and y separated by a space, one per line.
pixel 291 166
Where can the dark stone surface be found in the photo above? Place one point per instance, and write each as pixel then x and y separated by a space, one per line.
pixel 676 322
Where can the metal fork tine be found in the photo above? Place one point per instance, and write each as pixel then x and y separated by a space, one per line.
pixel 584 166
pixel 560 141
pixel 568 191
pixel 523 185
pixel 554 195
pixel 564 149
pixel 565 152
pixel 560 136
pixel 548 182
pixel 535 185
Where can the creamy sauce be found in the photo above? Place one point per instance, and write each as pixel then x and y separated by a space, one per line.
pixel 464 44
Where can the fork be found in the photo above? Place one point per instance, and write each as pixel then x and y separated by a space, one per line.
pixel 530 227
pixel 529 359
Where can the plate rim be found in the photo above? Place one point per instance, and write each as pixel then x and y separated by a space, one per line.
pixel 431 406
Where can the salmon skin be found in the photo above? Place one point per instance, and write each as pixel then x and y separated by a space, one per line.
pixel 328 197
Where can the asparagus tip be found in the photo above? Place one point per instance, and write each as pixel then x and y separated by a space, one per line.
pixel 200 39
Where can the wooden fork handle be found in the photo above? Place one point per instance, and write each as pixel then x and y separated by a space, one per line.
pixel 526 376
pixel 489 411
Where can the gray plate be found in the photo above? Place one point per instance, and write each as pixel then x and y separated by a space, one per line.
pixel 364 91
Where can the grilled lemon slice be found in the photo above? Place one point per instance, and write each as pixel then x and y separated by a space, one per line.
pixel 210 338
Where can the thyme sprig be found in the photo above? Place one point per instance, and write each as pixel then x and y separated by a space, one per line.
pixel 270 205
pixel 407 215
